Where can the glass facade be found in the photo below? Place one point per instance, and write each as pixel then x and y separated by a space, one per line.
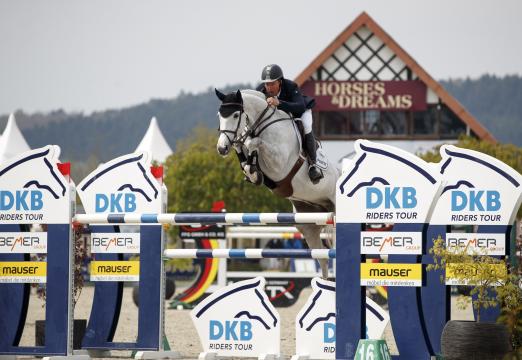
pixel 450 125
pixel 436 122
pixel 425 122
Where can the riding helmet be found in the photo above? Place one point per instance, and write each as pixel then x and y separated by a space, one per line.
pixel 271 73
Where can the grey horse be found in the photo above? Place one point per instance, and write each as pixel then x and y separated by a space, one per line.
pixel 250 127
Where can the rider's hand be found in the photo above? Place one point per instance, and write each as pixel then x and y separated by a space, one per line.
pixel 272 101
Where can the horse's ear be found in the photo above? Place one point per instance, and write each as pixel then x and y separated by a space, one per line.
pixel 239 98
pixel 220 95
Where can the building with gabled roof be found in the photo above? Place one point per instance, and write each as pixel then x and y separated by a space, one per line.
pixel 367 86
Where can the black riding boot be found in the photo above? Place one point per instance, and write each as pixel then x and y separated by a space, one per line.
pixel 314 172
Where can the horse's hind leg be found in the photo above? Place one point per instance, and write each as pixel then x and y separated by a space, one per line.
pixel 312 235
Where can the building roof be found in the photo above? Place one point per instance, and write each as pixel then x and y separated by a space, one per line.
pixel 155 143
pixel 365 20
pixel 12 141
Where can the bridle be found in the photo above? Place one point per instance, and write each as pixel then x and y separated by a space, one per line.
pixel 249 129
pixel 226 132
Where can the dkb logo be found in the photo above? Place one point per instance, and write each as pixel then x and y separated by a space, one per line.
pixel 229 330
pixel 392 197
pixel 21 200
pixel 475 200
pixel 119 202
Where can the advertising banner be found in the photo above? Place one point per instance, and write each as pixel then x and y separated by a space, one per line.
pixel 463 273
pixel 23 243
pixel 477 244
pixel 367 95
pixel 383 274
pixel 23 272
pixel 115 270
pixel 115 243
pixel 388 242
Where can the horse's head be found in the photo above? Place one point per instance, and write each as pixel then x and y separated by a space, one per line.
pixel 479 188
pixel 320 307
pixel 232 119
pixel 242 300
pixel 35 188
pixel 464 168
pixel 382 165
pixel 124 184
pixel 36 170
pixel 389 183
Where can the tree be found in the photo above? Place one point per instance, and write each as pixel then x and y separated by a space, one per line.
pixel 196 176
pixel 477 270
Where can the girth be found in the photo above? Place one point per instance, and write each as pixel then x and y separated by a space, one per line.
pixel 284 187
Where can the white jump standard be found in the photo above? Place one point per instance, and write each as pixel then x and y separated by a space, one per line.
pixel 240 320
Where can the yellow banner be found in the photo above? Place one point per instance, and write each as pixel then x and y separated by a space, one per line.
pixel 115 267
pixel 466 274
pixel 23 272
pixel 384 274
pixel 115 270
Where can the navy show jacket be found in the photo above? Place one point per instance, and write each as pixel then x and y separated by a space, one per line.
pixel 290 98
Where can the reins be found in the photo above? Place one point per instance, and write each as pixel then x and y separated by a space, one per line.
pixel 250 131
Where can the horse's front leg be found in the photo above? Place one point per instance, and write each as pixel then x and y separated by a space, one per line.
pixel 251 168
pixel 253 145
pixel 269 151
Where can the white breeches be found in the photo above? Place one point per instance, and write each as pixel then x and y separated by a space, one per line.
pixel 306 118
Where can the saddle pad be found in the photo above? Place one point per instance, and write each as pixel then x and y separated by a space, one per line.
pixel 321 161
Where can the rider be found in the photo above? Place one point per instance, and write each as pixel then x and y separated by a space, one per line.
pixel 285 95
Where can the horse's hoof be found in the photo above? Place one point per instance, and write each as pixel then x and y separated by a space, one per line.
pixel 259 178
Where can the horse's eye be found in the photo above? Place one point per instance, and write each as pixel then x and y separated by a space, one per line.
pixel 236 115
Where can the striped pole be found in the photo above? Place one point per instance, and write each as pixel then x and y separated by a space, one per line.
pixel 260 229
pixel 208 218
pixel 270 229
pixel 271 235
pixel 250 253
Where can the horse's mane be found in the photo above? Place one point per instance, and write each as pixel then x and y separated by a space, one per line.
pixel 254 92
pixel 258 95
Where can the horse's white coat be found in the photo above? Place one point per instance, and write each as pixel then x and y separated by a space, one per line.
pixel 278 148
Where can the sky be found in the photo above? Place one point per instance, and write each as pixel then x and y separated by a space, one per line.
pixel 94 55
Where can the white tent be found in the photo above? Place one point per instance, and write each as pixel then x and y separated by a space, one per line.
pixel 155 143
pixel 12 141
